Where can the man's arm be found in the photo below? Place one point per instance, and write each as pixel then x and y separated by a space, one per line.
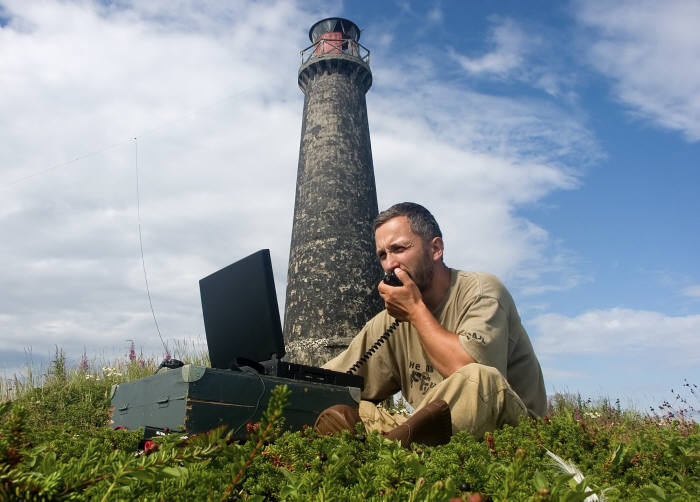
pixel 379 371
pixel 442 347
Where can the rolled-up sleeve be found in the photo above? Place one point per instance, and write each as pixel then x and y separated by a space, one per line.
pixel 483 333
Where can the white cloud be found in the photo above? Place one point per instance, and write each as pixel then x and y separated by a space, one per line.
pixel 650 51
pixel 653 336
pixel 692 291
pixel 435 14
pixel 208 90
pixel 633 355
pixel 510 46
pixel 474 159
pixel 522 54
pixel 557 374
pixel 211 93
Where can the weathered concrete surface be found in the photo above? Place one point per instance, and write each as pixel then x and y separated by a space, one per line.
pixel 333 271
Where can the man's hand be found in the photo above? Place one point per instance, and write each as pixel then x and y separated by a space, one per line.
pixel 401 301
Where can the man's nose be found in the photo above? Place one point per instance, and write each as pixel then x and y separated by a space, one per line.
pixel 390 264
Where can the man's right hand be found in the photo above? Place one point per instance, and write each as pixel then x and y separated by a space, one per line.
pixel 401 301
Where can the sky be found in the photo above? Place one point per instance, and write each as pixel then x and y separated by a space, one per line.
pixel 557 143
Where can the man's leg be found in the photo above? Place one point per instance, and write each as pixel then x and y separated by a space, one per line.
pixel 341 417
pixel 480 399
pixel 430 425
pixel 378 419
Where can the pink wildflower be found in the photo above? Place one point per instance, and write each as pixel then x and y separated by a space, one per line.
pixel 84 362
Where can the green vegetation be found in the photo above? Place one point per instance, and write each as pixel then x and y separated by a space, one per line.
pixel 54 446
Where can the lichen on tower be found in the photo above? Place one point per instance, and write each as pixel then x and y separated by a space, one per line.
pixel 333 271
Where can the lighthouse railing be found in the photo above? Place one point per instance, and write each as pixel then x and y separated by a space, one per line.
pixel 330 46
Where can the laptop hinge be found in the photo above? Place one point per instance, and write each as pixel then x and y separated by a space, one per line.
pixel 271 365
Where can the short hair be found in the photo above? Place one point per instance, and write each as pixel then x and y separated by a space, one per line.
pixel 419 218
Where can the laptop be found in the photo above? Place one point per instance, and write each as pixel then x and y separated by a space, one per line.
pixel 243 328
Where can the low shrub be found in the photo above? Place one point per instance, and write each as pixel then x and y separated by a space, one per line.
pixel 54 446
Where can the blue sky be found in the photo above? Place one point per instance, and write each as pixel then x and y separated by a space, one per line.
pixel 558 144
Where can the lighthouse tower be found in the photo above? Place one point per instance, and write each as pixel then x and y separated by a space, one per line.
pixel 333 270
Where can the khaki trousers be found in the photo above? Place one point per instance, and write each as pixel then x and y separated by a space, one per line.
pixel 479 398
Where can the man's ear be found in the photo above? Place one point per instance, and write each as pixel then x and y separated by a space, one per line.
pixel 436 248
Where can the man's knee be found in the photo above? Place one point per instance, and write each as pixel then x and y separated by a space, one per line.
pixel 481 373
pixel 480 399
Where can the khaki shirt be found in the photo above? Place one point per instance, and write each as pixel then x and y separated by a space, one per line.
pixel 481 311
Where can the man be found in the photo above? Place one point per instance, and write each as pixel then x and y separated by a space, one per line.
pixel 460 354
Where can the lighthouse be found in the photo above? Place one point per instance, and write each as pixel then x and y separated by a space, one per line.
pixel 333 271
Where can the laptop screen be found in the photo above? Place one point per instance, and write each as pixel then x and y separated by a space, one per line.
pixel 241 317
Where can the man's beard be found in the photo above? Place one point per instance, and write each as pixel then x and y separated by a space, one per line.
pixel 423 275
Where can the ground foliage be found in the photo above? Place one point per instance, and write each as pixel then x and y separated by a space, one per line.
pixel 54 446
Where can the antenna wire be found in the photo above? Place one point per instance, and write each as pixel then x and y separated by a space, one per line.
pixel 143 260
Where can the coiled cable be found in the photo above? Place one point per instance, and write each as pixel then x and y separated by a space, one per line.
pixel 365 357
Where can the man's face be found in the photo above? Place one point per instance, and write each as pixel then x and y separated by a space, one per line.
pixel 398 247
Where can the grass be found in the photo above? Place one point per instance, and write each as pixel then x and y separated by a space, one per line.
pixel 54 446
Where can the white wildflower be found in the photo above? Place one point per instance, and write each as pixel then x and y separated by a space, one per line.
pixel 110 372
